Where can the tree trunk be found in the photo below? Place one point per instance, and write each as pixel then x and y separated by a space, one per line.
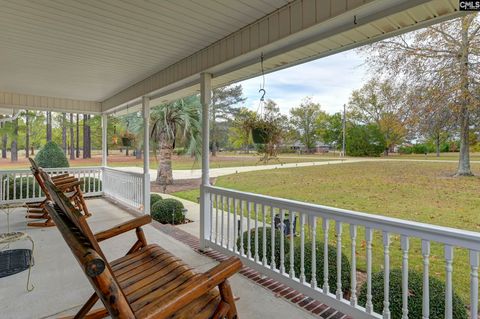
pixel 213 129
pixel 437 144
pixel 164 172
pixel 72 148
pixel 14 146
pixel 27 134
pixel 464 118
pixel 4 145
pixel 64 132
pixel 78 137
pixel 89 138
pixel 49 126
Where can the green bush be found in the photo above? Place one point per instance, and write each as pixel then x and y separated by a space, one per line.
pixel 153 199
pixel 415 284
pixel 95 184
pixel 51 155
pixel 168 211
pixel 405 150
pixel 365 140
pixel 420 149
pixel 332 257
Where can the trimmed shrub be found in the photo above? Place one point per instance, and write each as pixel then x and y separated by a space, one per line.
pixel 51 155
pixel 95 184
pixel 415 284
pixel 153 199
pixel 332 257
pixel 420 149
pixel 168 211
pixel 365 140
pixel 405 149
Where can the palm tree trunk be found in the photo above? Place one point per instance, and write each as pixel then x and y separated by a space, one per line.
pixel 164 172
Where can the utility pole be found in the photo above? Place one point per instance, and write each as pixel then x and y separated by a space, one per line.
pixel 344 127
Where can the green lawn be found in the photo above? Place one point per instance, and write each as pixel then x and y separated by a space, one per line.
pixel 424 192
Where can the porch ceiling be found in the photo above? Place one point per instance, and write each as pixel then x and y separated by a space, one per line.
pixel 98 56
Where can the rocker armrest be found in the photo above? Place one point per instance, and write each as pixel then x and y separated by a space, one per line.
pixel 190 290
pixel 123 227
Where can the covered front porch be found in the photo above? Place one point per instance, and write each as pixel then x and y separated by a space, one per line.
pixel 229 42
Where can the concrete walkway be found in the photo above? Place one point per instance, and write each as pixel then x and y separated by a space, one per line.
pixel 216 172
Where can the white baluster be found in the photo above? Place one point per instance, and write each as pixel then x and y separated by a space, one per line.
pixel 235 226
pixel 405 248
pixel 302 248
pixel 386 278
pixel 282 241
pixel 448 282
pixel 353 276
pixel 272 242
pixel 228 223
pixel 222 211
pixel 338 231
pixel 325 227
pixel 242 248
pixel 211 217
pixel 255 209
pixel 474 283
pixel 264 241
pixel 314 252
pixel 292 237
pixel 368 239
pixel 216 219
pixel 249 231
pixel 426 285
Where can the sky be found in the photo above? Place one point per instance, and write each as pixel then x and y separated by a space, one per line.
pixel 328 81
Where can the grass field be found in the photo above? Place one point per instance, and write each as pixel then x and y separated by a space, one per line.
pixel 419 191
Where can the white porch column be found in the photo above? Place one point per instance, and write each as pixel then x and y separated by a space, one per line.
pixel 146 154
pixel 104 140
pixel 205 99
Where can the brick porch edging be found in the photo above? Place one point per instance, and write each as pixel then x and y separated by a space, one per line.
pixel 280 290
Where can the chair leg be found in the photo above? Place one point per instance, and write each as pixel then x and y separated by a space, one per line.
pixel 221 311
pixel 87 306
pixel 227 297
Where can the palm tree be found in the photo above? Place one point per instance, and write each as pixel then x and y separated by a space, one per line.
pixel 175 122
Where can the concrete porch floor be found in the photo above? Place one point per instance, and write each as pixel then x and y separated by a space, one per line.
pixel 61 287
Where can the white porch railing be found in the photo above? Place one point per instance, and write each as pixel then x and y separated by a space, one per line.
pixel 125 187
pixel 20 186
pixel 231 213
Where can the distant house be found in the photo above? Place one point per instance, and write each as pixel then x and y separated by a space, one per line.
pixel 299 147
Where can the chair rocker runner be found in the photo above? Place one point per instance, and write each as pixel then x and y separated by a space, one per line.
pixel 70 185
pixel 148 282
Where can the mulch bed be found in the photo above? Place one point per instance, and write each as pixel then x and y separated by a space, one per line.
pixel 179 185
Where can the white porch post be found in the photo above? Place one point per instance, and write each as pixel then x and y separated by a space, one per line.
pixel 146 154
pixel 205 99
pixel 104 139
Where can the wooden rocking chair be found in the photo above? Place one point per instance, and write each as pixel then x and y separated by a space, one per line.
pixel 148 282
pixel 70 185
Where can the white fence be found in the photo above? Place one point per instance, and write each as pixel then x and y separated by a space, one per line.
pixel 126 187
pixel 20 186
pixel 233 213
